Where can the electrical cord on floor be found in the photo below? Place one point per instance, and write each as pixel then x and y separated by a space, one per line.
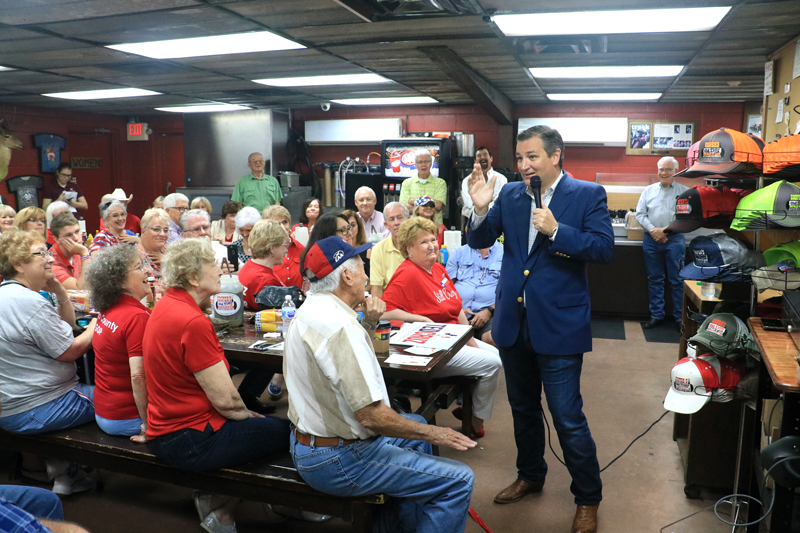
pixel 550 443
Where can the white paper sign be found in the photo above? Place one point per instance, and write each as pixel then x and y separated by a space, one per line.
pixel 768 66
pixel 430 335
pixel 779 114
pixel 408 360
pixel 796 66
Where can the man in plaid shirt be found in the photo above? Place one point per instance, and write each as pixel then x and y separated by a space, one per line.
pixel 424 184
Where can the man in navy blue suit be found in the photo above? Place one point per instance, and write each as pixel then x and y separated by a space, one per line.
pixel 543 306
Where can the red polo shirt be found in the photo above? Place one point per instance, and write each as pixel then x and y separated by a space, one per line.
pixel 255 277
pixel 62 269
pixel 179 340
pixel 117 338
pixel 415 291
pixel 289 271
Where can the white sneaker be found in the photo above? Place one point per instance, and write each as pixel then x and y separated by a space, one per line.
pixel 213 525
pixel 65 484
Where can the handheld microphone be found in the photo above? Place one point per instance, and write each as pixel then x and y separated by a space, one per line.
pixel 536 186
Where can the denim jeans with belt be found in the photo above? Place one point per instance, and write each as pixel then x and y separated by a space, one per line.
pixel 430 494
pixel 236 442
pixel 664 260
pixel 527 372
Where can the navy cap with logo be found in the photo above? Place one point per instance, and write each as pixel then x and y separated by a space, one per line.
pixel 721 257
pixel 328 254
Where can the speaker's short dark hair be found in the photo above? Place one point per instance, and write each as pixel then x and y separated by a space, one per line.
pixel 551 140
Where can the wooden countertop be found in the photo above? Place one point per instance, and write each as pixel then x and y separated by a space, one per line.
pixel 692 289
pixel 777 352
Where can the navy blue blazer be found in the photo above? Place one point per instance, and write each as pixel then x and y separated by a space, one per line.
pixel 553 276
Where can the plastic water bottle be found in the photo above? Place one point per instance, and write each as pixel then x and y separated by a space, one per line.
pixel 443 255
pixel 287 314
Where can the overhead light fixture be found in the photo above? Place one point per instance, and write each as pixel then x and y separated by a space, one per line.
pixel 608 22
pixel 217 45
pixel 309 81
pixel 2 68
pixel 203 108
pixel 128 92
pixel 393 100
pixel 607 72
pixel 616 97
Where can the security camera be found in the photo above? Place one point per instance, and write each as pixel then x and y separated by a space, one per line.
pixel 325 106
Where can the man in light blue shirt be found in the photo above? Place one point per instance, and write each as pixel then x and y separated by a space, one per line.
pixel 663 254
pixel 475 274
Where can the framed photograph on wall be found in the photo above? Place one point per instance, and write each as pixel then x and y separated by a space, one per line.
pixel 660 137
pixel 754 125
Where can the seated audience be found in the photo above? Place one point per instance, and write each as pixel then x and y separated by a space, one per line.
pixel 155 228
pixel 132 222
pixel 425 207
pixel 52 211
pixel 224 229
pixel 175 205
pixel 201 202
pixel 385 256
pixel 71 256
pixel 196 419
pixel 7 214
pixel 119 282
pixel 114 213
pixel 309 213
pixel 475 274
pixel 372 220
pixel 421 291
pixel 289 269
pixel 328 226
pixel 195 223
pixel 268 244
pixel 357 235
pixel 245 219
pixel 158 202
pixel 39 388
pixel 32 219
pixel 350 432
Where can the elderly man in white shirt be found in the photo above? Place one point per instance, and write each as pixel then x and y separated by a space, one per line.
pixel 663 253
pixel 484 157
pixel 346 440
pixel 373 220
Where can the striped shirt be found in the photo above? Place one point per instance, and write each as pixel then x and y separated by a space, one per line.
pixel 105 238
pixel 330 369
pixel 174 233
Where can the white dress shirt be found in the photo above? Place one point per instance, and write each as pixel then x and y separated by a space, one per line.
pixel 468 207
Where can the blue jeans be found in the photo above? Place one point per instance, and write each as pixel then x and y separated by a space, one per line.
pixel 431 494
pixel 41 503
pixel 664 261
pixel 527 372
pixel 236 442
pixel 124 428
pixel 75 408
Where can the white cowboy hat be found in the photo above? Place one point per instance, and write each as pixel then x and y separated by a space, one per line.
pixel 119 194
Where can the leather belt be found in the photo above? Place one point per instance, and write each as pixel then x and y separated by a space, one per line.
pixel 305 439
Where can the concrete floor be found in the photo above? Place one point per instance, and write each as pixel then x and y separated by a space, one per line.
pixel 624 384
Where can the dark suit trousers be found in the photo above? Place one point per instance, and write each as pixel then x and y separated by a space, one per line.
pixel 527 372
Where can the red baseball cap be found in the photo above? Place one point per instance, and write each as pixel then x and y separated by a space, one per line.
pixel 705 207
pixel 726 151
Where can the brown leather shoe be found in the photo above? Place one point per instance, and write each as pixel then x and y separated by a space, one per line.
pixel 585 519
pixel 517 490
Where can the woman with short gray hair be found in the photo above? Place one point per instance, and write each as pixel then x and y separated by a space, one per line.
pixel 113 213
pixel 245 220
pixel 118 284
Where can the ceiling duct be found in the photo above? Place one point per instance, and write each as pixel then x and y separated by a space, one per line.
pixel 374 10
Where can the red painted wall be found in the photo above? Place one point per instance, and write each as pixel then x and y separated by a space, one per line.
pixel 140 168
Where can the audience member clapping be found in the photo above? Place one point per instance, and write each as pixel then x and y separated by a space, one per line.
pixel 118 282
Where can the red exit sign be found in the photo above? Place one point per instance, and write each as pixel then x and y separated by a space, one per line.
pixel 137 131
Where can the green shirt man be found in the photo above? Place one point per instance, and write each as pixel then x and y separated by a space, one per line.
pixel 424 183
pixel 257 189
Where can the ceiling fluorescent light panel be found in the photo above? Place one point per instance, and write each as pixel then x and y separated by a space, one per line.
pixel 203 108
pixel 236 43
pixel 607 72
pixel 128 92
pixel 310 81
pixel 613 97
pixel 399 100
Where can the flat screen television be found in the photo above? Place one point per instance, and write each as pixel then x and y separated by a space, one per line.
pixel 397 156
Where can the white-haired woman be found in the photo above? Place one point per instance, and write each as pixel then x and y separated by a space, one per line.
pixel 7 214
pixel 53 210
pixel 245 220
pixel 113 214
pixel 118 283
pixel 196 419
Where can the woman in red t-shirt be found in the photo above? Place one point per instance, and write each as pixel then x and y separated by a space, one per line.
pixel 421 291
pixel 119 282
pixel 268 245
pixel 288 271
pixel 196 420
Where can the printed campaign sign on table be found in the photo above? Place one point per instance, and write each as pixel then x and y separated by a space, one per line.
pixel 430 335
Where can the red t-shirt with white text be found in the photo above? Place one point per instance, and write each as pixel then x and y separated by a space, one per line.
pixel 433 295
pixel 253 278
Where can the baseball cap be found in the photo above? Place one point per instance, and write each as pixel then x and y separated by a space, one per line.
pixel 725 151
pixel 781 272
pixel 775 205
pixel 725 334
pixel 782 157
pixel 329 253
pixel 705 207
pixel 696 379
pixel 424 200
pixel 719 257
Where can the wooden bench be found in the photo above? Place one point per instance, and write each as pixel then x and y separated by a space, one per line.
pixel 271 480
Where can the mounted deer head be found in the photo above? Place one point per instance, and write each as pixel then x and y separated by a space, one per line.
pixel 7 143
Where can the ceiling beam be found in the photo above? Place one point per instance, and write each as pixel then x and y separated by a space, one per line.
pixel 490 99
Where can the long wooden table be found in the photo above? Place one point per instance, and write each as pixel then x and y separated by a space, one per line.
pixel 436 393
